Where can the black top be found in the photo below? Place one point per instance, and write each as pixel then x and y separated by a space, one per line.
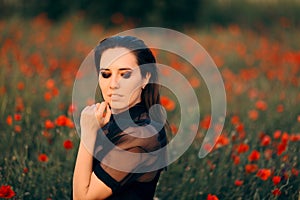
pixel 127 155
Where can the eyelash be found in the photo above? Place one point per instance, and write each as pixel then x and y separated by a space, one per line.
pixel 105 74
pixel 125 75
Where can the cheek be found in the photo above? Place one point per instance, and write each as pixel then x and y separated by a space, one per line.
pixel 103 87
pixel 132 87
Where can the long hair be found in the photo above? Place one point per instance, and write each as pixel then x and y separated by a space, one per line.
pixel 145 59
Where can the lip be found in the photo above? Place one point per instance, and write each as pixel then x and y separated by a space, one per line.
pixel 115 97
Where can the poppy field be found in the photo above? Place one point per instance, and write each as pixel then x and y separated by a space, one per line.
pixel 256 156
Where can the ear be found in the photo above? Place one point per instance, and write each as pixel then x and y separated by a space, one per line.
pixel 146 79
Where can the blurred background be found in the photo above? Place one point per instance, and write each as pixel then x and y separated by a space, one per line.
pixel 254 43
pixel 170 14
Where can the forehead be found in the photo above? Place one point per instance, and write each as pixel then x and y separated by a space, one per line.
pixel 118 58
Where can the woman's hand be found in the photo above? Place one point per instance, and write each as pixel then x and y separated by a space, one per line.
pixel 86 185
pixel 92 118
pixel 103 113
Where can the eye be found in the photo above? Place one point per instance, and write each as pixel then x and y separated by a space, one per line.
pixel 105 74
pixel 126 75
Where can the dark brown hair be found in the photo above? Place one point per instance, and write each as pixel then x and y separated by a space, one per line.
pixel 145 59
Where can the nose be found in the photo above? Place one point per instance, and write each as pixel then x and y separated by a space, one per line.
pixel 114 81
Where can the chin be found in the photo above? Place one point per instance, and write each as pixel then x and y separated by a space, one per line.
pixel 118 106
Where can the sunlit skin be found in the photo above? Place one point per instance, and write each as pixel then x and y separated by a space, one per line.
pixel 120 79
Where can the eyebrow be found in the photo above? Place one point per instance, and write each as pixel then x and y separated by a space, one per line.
pixel 121 69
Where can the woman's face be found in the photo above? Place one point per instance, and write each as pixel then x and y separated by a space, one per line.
pixel 120 79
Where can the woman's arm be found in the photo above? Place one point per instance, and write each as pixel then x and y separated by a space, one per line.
pixel 86 185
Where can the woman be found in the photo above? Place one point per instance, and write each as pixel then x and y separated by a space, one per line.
pixel 118 131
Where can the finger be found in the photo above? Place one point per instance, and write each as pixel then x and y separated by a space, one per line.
pixel 97 105
pixel 93 108
pixel 100 110
pixel 102 107
pixel 85 109
pixel 108 114
pixel 97 111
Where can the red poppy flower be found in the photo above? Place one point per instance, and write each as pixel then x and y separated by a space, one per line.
pixel 43 158
pixel 68 144
pixel 50 84
pixel 235 120
pixel 242 148
pixel 286 175
pixel 205 122
pixel 211 165
pixel 46 134
pixel 219 61
pixel 281 148
pixel 266 140
pixel 264 174
pixel 251 168
pixel 253 114
pixel 261 105
pixel 236 160
pixel 167 103
pixel 277 134
pixel 240 127
pixel 285 158
pixel 276 192
pixel 222 141
pixel 218 127
pixel 17 116
pixel 9 120
pixel 6 192
pixel 268 154
pixel 276 180
pixel 70 123
pixel 61 120
pixel 254 156
pixel 238 182
pixel 285 138
pixel 207 147
pixel 253 93
pixel 20 86
pixel 295 137
pixel 72 108
pixel 47 96
pixel 25 170
pixel 295 172
pixel 195 82
pixel 280 108
pixel 212 197
pixel 17 128
pixel 55 92
pixel 49 124
pixel 173 128
pixel 19 105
